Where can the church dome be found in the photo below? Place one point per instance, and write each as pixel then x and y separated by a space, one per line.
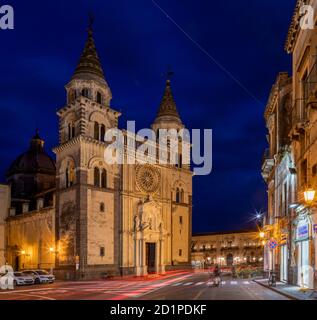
pixel 34 160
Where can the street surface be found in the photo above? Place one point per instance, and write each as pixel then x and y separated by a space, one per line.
pixel 181 285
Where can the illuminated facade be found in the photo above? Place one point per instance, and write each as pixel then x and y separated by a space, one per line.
pixel 298 226
pixel 242 247
pixel 88 217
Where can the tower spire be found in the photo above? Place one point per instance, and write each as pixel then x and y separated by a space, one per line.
pixel 167 115
pixel 89 63
pixel 168 105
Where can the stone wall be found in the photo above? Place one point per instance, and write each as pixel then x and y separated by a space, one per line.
pixel 4 208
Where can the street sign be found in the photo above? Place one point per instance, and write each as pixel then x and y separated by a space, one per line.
pixel 273 244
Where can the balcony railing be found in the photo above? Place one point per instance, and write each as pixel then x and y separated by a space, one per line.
pixel 299 117
pixel 267 164
pixel 310 85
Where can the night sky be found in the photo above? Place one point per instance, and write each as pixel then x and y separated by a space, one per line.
pixel 136 43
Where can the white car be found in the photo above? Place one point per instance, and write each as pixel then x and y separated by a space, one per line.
pixel 21 279
pixel 40 276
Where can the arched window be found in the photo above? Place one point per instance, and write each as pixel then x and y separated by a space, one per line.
pixel 180 162
pixel 96 131
pixel 85 92
pixel 99 97
pixel 102 132
pixel 104 178
pixel 71 95
pixel 102 207
pixel 96 177
pixel 71 130
pixel 181 197
pixel 67 178
pixel 177 195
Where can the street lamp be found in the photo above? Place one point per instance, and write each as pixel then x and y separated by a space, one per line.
pixel 262 234
pixel 309 195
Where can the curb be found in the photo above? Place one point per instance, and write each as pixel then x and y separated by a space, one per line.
pixel 276 290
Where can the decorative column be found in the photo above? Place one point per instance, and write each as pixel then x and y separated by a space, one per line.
pixel 161 257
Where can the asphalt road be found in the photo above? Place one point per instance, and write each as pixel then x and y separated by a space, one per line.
pixel 174 286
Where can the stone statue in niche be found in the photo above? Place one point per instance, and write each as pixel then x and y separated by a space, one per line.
pixel 148 216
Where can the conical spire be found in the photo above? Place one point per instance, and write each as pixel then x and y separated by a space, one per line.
pixel 168 105
pixel 89 63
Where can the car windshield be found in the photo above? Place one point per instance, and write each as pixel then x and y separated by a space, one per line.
pixel 42 272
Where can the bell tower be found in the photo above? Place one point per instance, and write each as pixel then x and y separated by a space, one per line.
pixel 87 189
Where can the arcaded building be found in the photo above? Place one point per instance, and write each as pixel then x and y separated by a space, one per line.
pixel 83 216
pixel 239 247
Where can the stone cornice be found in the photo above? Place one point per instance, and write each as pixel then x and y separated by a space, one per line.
pixel 82 101
pixel 293 30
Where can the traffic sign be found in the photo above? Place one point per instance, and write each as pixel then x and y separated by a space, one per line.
pixel 273 244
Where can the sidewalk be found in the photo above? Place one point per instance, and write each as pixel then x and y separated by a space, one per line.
pixel 290 291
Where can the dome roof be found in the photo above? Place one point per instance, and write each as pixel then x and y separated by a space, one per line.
pixel 35 160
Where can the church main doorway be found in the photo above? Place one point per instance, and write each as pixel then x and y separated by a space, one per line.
pixel 150 257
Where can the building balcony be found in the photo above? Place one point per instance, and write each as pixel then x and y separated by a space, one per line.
pixel 299 121
pixel 310 88
pixel 267 164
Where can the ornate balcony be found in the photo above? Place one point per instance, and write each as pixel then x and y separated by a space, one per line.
pixel 267 164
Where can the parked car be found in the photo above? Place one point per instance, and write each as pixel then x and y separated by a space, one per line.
pixel 21 279
pixel 40 276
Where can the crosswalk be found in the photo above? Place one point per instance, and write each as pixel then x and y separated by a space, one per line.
pixel 201 283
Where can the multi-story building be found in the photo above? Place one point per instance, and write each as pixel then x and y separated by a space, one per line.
pixel 84 216
pixel 227 248
pixel 302 217
pixel 278 172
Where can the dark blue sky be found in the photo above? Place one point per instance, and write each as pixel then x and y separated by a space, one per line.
pixel 136 42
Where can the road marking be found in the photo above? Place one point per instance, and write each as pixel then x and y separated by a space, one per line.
pixel 246 282
pixel 188 283
pixel 198 294
pixel 177 284
pixel 199 283
pixel 223 282
pixel 28 290
pixel 35 296
pixel 233 282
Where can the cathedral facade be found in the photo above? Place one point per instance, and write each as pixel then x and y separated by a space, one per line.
pixel 86 218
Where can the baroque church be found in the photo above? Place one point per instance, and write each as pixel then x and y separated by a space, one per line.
pixel 83 218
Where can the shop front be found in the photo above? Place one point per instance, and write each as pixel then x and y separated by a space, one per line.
pixel 284 263
pixel 305 272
